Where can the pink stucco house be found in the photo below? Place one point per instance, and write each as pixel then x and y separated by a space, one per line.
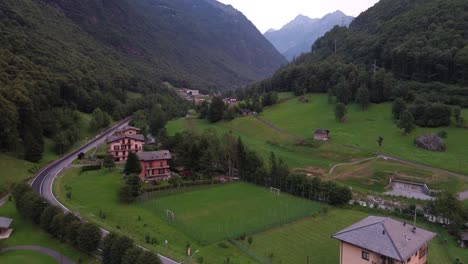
pixel 155 165
pixel 124 141
pixel 382 240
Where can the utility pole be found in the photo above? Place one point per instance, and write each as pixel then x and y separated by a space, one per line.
pixel 375 66
pixel 414 225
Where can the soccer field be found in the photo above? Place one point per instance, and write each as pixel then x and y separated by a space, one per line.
pixel 231 210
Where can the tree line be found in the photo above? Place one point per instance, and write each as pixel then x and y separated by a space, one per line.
pixel 64 226
pixel 207 154
pixel 87 237
pixel 217 110
pixel 385 54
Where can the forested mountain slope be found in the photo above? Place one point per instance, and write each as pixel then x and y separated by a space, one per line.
pixel 394 47
pixel 59 56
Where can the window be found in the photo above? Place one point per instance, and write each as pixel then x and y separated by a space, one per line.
pixel 422 252
pixel 161 164
pixel 365 255
pixel 161 171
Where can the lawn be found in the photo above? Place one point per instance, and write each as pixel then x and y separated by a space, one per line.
pixel 26 233
pixel 231 210
pixel 289 243
pixel 375 175
pixel 264 140
pixel 311 237
pixel 26 256
pixel 362 129
pixel 96 191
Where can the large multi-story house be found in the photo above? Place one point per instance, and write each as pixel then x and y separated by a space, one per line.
pixel 124 141
pixel 154 165
pixel 382 240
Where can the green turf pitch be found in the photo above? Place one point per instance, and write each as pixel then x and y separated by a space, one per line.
pixel 231 210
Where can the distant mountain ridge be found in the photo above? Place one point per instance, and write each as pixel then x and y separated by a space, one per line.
pixel 297 36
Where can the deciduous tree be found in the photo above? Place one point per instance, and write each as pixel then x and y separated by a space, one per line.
pixel 340 111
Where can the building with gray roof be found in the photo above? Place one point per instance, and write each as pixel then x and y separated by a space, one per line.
pixel 383 240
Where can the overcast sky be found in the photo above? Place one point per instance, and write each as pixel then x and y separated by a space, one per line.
pixel 266 14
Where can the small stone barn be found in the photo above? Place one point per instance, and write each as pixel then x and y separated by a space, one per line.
pixel 322 134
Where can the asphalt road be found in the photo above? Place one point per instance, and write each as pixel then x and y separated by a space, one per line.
pixel 44 180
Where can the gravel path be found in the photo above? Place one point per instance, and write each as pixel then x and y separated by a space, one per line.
pixel 54 254
pixel 351 163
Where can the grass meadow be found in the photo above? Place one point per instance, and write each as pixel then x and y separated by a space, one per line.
pixel 231 210
pixel 264 140
pixel 205 218
pixel 27 233
pixel 375 175
pixel 96 191
pixel 362 128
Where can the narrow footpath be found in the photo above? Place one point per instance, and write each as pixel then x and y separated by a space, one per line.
pixel 47 251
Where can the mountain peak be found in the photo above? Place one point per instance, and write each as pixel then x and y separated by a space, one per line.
pixel 338 12
pixel 298 35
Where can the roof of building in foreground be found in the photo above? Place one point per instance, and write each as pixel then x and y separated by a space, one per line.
pixel 386 236
pixel 5 222
pixel 154 155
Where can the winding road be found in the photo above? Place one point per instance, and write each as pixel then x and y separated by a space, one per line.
pixel 44 180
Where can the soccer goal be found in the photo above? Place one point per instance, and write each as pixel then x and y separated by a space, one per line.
pixel 170 215
pixel 275 190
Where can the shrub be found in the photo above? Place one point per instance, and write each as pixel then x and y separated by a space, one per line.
pixel 442 134
pixel 223 245
pixel 91 168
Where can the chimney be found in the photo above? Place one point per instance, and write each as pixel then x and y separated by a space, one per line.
pixel 414 229
pixel 383 232
pixel 404 223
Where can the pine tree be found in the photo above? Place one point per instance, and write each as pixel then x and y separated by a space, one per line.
pixel 157 120
pixel 340 111
pixel 119 247
pixel 132 166
pixel 134 182
pixel 216 110
pixel 406 121
pixel 363 97
pixel 131 255
pixel 88 237
pixel 398 106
